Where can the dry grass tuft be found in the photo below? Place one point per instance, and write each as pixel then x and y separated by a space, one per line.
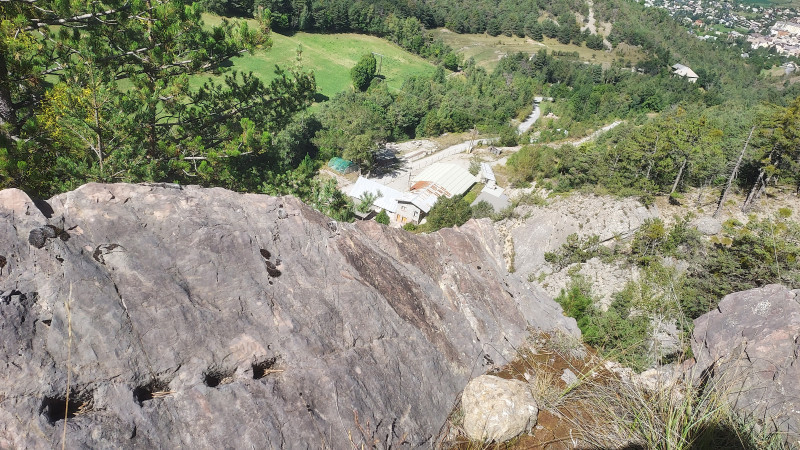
pixel 612 407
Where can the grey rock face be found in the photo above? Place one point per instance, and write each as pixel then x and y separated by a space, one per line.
pixel 752 342
pixel 709 226
pixel 203 318
pixel 496 410
pixel 546 228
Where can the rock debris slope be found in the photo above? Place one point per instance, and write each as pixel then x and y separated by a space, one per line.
pixel 200 318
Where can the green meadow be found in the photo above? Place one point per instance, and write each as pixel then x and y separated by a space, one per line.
pixel 330 57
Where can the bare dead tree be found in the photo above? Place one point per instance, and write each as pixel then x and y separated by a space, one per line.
pixel 733 174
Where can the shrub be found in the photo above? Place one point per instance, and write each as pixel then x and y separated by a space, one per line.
pixel 448 212
pixel 382 217
pixel 576 250
pixel 363 72
pixel 482 209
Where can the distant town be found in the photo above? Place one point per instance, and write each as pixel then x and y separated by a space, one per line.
pixel 761 26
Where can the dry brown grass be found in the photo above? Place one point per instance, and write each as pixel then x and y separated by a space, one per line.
pixel 609 407
pixel 487 50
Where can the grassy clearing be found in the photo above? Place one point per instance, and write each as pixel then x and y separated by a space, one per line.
pixel 488 50
pixel 330 56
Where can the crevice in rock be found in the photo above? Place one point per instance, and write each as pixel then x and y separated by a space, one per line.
pixel 214 377
pixel 56 408
pixel 103 249
pixel 43 206
pixel 272 269
pixel 265 367
pixel 38 237
pixel 156 388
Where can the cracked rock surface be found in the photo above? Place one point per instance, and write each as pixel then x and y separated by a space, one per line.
pixel 199 318
pixel 751 344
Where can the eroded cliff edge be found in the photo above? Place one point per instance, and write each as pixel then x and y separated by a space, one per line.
pixel 207 318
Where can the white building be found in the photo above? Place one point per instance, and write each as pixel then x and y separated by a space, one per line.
pixel 386 196
pixel 436 180
pixel 684 71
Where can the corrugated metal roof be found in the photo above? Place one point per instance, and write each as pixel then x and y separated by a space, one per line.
pixel 487 171
pixel 684 71
pixel 422 199
pixel 453 179
pixel 388 196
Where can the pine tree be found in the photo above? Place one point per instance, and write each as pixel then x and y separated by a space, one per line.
pixel 117 105
pixel 363 72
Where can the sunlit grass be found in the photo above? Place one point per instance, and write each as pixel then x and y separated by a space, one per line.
pixel 330 57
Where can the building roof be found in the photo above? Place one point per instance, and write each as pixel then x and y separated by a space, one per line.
pixel 454 180
pixel 498 203
pixel 340 165
pixel 684 71
pixel 493 196
pixel 387 196
pixel 487 172
pixel 422 199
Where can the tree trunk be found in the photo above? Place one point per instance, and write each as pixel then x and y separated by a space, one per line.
pixel 733 175
pixel 678 178
pixel 7 114
pixel 757 194
pixel 652 155
pixel 758 186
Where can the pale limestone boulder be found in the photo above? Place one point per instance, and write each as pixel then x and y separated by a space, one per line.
pixel 709 226
pixel 497 410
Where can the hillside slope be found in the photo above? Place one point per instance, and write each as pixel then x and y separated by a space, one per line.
pixel 171 317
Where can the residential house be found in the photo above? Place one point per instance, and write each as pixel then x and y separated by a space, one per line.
pixel 436 180
pixel 386 197
pixel 684 71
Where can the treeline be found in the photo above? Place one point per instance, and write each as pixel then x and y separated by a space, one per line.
pixel 369 16
pixel 405 23
pixel 671 153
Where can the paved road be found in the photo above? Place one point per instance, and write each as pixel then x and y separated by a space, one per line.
pixel 592 136
pixel 528 123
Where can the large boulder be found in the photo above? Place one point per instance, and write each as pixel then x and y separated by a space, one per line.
pixel 169 317
pixel 750 346
pixel 709 226
pixel 496 409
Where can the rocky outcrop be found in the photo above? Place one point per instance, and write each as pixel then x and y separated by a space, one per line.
pixel 545 228
pixel 167 317
pixel 750 345
pixel 497 410
pixel 708 226
pixel 541 229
